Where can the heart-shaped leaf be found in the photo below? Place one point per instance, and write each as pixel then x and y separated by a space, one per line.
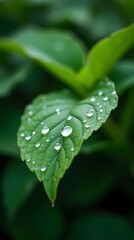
pixel 54 127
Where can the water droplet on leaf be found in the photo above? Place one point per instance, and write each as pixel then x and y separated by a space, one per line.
pixel 87 125
pixel 28 137
pixel 45 130
pixel 57 146
pixel 105 98
pixel 100 93
pixel 69 117
pixel 37 144
pixel 43 168
pixel 92 99
pixel 67 130
pixel 90 113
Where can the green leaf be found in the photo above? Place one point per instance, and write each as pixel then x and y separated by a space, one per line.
pixel 17 185
pixel 104 55
pixel 102 226
pixel 53 129
pixel 60 52
pixel 9 81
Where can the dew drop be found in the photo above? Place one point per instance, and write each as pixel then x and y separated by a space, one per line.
pixel 90 113
pixel 105 98
pixel 99 118
pixel 42 123
pixel 28 160
pixel 92 99
pixel 33 162
pixel 53 204
pixel 57 111
pixel 84 121
pixel 87 125
pixel 33 132
pixel 45 130
pixel 57 146
pixel 72 149
pixel 28 137
pixel 100 93
pixel 47 140
pixel 113 92
pixel 67 130
pixel 22 135
pixel 98 104
pixel 43 168
pixel 69 117
pixel 101 110
pixel 37 144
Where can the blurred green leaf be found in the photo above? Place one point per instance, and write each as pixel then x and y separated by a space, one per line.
pixel 123 76
pixel 50 139
pixel 102 226
pixel 104 55
pixel 17 185
pixel 60 52
pixel 9 80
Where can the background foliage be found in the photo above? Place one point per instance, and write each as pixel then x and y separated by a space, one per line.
pixel 96 196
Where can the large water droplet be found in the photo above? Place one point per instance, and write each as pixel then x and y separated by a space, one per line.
pixel 90 113
pixel 67 130
pixel 37 144
pixel 69 117
pixel 92 99
pixel 105 98
pixel 43 168
pixel 57 146
pixel 28 137
pixel 45 130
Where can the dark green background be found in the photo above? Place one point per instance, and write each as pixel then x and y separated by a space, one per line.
pixel 96 196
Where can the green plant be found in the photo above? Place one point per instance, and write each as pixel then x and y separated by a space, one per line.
pixel 55 125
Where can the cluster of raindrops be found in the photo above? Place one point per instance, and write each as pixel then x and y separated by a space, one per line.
pixel 67 130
